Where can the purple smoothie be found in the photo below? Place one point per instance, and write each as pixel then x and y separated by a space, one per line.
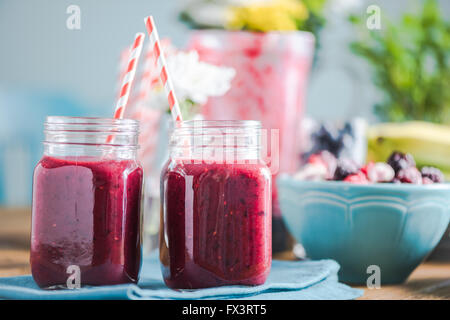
pixel 86 213
pixel 216 221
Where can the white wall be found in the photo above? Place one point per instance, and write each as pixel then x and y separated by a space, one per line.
pixel 38 51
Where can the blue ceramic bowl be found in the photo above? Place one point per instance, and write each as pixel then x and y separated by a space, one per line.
pixel 393 226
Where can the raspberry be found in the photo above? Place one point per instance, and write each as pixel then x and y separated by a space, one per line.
pixel 380 172
pixel 426 180
pixel 344 168
pixel 358 178
pixel 398 161
pixel 327 159
pixel 433 174
pixel 365 169
pixel 312 172
pixel 316 159
pixel 409 175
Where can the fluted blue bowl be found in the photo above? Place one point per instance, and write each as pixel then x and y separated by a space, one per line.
pixel 392 226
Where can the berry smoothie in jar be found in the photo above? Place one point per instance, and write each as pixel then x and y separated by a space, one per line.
pixel 215 206
pixel 86 211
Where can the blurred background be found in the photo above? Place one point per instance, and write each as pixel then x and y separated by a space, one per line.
pixel 46 68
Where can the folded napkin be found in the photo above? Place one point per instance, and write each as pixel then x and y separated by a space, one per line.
pixel 288 280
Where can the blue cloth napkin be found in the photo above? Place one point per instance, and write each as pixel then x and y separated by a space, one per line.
pixel 288 280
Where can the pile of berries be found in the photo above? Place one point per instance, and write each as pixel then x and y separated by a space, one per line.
pixel 399 168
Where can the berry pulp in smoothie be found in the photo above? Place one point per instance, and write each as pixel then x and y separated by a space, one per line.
pixel 86 212
pixel 216 224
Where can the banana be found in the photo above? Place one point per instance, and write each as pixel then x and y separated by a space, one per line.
pixel 429 143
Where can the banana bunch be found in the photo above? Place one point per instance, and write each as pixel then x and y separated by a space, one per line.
pixel 429 143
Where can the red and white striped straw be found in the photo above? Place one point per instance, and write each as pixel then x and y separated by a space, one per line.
pixel 122 69
pixel 162 65
pixel 129 76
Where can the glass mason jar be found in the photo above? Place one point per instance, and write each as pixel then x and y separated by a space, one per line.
pixel 86 211
pixel 216 206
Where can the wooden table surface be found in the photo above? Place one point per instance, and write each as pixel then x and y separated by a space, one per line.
pixel 431 280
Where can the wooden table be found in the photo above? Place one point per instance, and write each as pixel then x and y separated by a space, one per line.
pixel 431 280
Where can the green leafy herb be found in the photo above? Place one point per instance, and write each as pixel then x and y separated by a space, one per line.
pixel 411 64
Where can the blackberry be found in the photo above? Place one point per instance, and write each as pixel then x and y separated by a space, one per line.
pixel 433 174
pixel 399 161
pixel 426 180
pixel 327 138
pixel 330 137
pixel 409 175
pixel 344 168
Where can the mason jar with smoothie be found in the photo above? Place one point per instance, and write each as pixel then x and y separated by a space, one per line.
pixel 86 211
pixel 215 206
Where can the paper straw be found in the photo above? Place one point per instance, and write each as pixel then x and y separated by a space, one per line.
pixel 162 65
pixel 122 70
pixel 149 77
pixel 129 76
